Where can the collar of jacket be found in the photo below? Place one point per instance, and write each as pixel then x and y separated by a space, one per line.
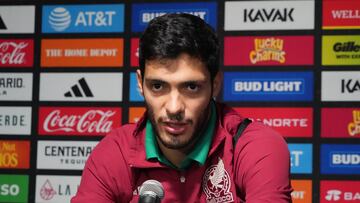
pixel 227 122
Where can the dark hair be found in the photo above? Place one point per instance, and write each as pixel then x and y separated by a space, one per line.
pixel 170 35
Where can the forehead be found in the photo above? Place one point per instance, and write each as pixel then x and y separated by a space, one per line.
pixel 184 66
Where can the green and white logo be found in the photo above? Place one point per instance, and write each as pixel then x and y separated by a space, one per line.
pixel 14 188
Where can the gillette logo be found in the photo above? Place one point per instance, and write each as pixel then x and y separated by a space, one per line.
pixel 268 86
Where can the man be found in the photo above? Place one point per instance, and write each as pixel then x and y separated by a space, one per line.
pixel 184 140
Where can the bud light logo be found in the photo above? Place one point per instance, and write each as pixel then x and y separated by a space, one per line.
pixel 142 14
pixel 300 158
pixel 83 18
pixel 268 86
pixel 340 159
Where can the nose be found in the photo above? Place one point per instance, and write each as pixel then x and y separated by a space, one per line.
pixel 175 105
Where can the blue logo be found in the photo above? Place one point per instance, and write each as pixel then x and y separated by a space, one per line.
pixel 301 158
pixel 340 159
pixel 268 86
pixel 143 13
pixel 134 91
pixel 83 18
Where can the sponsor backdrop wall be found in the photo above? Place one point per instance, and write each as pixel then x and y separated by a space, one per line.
pixel 67 77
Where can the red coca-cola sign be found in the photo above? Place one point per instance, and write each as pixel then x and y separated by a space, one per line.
pixel 16 52
pixel 92 121
pixel 134 55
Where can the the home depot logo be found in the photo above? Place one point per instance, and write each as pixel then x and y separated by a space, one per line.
pixel 99 52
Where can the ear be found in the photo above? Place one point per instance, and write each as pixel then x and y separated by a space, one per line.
pixel 139 81
pixel 217 84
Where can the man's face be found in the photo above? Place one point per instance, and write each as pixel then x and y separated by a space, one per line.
pixel 177 94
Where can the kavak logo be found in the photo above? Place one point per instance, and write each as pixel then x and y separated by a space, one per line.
pixel 15 120
pixel 56 188
pixel 280 50
pixel 134 55
pixel 14 154
pixel 302 191
pixel 340 86
pixel 300 158
pixel 83 18
pixel 76 90
pixel 341 14
pixel 341 50
pixel 91 121
pixel 16 52
pixel 340 159
pixel 143 13
pixel 98 52
pixel 340 122
pixel 268 86
pixel 14 188
pixel 17 19
pixel 289 122
pixel 216 183
pixel 16 86
pixel 81 86
pixel 339 191
pixel 69 155
pixel 269 15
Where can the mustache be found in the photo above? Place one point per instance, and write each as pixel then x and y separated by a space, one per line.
pixel 174 117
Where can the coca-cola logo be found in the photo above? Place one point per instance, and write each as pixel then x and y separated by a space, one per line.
pixel 93 121
pixel 12 53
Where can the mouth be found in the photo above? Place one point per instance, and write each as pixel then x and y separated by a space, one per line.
pixel 175 128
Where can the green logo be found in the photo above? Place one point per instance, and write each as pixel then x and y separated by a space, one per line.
pixel 14 188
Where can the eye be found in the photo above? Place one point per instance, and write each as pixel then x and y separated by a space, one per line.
pixel 192 87
pixel 156 86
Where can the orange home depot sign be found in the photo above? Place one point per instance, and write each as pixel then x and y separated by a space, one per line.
pixel 97 52
pixel 14 154
pixel 302 192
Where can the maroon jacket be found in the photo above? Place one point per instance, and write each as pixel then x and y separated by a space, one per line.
pixel 258 170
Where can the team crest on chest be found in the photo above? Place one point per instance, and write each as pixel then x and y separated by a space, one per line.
pixel 216 184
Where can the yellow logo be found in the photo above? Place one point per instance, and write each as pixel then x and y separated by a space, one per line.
pixel 268 49
pixel 354 127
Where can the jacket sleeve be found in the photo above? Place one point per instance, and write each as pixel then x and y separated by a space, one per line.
pixel 262 166
pixel 105 178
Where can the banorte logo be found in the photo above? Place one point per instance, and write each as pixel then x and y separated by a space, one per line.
pixel 78 121
pixel 16 53
pixel 268 49
pixel 339 191
pixel 60 19
pixel 14 154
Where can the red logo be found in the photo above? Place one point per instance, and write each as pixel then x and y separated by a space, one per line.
pixel 339 191
pixel 341 14
pixel 16 53
pixel 47 192
pixel 78 120
pixel 134 55
pixel 268 50
pixel 340 122
pixel 289 122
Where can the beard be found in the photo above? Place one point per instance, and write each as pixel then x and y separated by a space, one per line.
pixel 174 142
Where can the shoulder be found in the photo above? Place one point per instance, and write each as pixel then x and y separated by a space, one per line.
pixel 116 142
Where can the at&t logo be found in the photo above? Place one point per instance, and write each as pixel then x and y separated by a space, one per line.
pixel 60 19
